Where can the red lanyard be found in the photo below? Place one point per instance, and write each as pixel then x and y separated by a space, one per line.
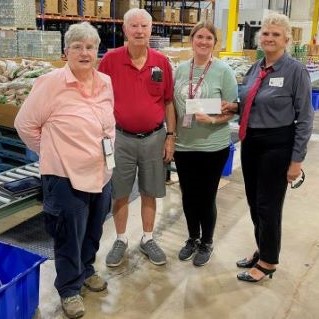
pixel 191 92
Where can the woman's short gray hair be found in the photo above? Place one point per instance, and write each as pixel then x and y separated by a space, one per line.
pixel 281 20
pixel 136 12
pixel 80 32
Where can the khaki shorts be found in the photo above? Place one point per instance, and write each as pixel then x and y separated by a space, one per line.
pixel 142 157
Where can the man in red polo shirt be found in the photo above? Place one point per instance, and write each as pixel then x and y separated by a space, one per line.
pixel 143 92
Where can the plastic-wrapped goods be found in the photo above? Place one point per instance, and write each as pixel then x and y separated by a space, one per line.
pixel 39 44
pixel 9 44
pixel 17 79
pixel 18 14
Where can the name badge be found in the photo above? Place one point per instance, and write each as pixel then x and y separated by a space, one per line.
pixel 108 153
pixel 278 82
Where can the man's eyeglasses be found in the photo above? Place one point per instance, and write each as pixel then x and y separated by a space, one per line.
pixel 298 182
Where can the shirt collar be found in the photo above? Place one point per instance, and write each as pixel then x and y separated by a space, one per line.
pixel 71 79
pixel 278 64
pixel 150 62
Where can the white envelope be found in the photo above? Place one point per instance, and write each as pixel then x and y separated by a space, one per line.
pixel 208 106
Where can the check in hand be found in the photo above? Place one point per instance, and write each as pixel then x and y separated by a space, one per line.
pixel 229 107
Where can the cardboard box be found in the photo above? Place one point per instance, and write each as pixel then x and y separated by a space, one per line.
pixel 206 14
pixel 189 15
pixel 121 6
pixel 68 7
pixel 103 9
pixel 8 113
pixel 162 13
pixel 88 8
pixel 296 34
pixel 49 6
pixel 175 14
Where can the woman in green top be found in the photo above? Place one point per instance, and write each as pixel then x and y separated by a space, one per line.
pixel 202 145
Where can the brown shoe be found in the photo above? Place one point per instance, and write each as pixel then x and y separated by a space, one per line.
pixel 95 283
pixel 73 307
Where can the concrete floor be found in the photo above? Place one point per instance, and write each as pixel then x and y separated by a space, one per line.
pixel 138 289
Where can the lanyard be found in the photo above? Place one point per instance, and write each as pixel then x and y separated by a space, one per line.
pixel 191 92
pixel 98 118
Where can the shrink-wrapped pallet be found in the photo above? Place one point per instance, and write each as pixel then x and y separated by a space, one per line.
pixel 17 14
pixel 39 44
pixel 9 44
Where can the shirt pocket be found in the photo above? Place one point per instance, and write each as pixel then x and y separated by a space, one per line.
pixel 155 88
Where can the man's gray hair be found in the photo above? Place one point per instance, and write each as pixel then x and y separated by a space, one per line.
pixel 136 12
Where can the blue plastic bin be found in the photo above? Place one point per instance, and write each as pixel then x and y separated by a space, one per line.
pixel 228 168
pixel 19 277
pixel 315 99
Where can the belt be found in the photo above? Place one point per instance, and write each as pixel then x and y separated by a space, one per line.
pixel 142 134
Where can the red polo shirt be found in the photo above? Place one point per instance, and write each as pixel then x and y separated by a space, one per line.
pixel 139 101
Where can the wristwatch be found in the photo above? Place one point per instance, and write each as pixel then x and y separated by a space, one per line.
pixel 172 134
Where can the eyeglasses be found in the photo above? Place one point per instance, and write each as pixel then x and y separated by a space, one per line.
pixel 81 48
pixel 298 182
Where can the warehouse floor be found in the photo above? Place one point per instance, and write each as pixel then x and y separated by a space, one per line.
pixel 178 290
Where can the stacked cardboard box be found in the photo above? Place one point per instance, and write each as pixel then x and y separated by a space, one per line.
pixel 88 7
pixel 121 6
pixel 206 14
pixel 49 6
pixel 166 14
pixel 103 9
pixel 18 14
pixel 68 7
pixel 39 44
pixel 189 15
pixel 9 44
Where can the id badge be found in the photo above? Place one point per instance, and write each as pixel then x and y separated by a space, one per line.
pixel 108 153
pixel 187 120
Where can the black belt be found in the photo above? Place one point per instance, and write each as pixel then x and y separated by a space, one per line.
pixel 142 134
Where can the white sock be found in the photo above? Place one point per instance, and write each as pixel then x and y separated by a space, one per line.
pixel 122 237
pixel 147 236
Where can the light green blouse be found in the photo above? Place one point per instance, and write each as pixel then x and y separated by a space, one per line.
pixel 219 82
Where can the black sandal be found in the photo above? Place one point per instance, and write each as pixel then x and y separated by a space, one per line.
pixel 245 276
pixel 248 263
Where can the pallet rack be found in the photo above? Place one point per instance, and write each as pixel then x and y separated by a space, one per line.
pixel 111 29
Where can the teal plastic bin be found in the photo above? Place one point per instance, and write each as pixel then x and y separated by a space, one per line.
pixel 19 282
pixel 228 168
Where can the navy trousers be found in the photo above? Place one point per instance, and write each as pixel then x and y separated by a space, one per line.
pixel 75 221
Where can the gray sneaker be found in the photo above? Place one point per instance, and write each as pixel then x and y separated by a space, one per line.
pixel 73 307
pixel 116 255
pixel 155 254
pixel 187 252
pixel 203 254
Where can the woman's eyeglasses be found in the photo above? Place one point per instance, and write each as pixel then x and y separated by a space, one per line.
pixel 298 182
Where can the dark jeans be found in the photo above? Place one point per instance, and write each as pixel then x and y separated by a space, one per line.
pixel 199 175
pixel 74 219
pixel 265 157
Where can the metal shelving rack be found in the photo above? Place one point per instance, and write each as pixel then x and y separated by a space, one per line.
pixel 112 27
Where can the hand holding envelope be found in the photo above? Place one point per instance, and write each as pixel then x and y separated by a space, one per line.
pixel 207 106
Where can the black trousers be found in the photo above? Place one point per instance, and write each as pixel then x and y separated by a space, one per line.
pixel 199 175
pixel 265 157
